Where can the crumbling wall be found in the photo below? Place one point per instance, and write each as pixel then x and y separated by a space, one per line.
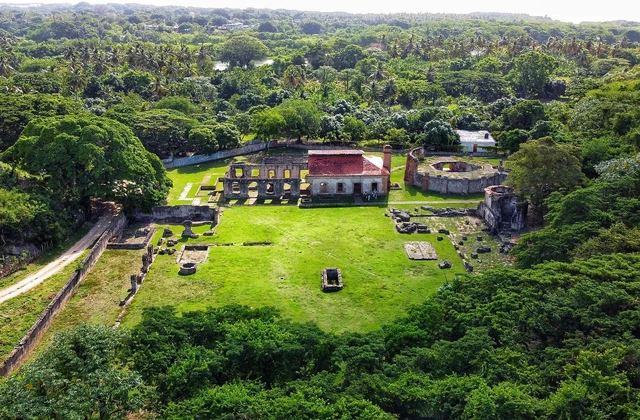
pixel 270 179
pixel 178 214
pixel 411 167
pixel 255 146
pixel 503 209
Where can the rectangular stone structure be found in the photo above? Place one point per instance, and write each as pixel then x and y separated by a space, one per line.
pixel 420 250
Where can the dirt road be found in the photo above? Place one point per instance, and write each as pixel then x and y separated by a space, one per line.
pixel 69 256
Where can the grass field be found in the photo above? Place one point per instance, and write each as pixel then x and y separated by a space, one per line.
pixel 97 298
pixel 18 314
pixel 380 281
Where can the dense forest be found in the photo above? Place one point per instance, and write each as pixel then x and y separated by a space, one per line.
pixel 93 96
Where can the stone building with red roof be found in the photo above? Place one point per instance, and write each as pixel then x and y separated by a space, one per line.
pixel 348 172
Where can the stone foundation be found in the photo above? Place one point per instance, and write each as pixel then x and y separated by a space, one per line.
pixel 331 280
pixel 420 251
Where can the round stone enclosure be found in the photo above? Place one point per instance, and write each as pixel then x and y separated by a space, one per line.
pixel 188 268
pixel 499 189
pixel 455 166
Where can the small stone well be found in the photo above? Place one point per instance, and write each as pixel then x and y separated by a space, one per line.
pixel 188 268
pixel 331 280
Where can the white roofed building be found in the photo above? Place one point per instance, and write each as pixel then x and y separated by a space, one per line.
pixel 476 141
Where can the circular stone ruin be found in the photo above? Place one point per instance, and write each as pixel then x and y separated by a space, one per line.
pixel 499 190
pixel 455 166
pixel 188 268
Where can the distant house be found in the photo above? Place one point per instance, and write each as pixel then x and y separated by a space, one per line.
pixel 235 26
pixel 348 172
pixel 476 141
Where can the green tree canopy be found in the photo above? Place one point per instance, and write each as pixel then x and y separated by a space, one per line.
pixel 18 110
pixel 84 156
pixel 530 73
pixel 81 375
pixel 440 135
pixel 543 166
pixel 164 131
pixel 242 49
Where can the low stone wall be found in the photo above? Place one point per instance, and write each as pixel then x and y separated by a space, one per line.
pixel 135 245
pixel 32 338
pixel 178 214
pixel 250 147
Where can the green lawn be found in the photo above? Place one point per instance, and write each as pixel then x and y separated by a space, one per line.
pixel 18 314
pixel 97 298
pixel 194 174
pixel 380 281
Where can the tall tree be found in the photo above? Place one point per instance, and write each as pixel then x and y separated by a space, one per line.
pixel 86 156
pixel 542 166
pixel 242 49
pixel 530 73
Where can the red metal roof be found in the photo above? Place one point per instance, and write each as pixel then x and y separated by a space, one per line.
pixel 342 152
pixel 343 165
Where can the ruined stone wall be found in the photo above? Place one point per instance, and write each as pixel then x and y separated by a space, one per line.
pixel 411 168
pixel 271 179
pixel 488 215
pixel 178 214
pixel 503 210
pixel 251 147
pixel 32 338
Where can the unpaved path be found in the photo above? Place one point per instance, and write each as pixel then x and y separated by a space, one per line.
pixel 61 262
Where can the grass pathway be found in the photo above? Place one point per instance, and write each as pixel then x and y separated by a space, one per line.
pixel 55 266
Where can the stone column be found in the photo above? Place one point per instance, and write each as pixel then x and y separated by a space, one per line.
pixel 187 228
pixel 134 283
pixel 295 188
pixel 244 189
pixel 145 263
pixel 278 188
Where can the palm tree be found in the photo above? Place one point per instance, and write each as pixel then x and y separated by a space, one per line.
pixel 76 80
pixel 390 90
pixel 157 87
pixel 191 71
pixel 184 54
pixel 100 65
pixel 85 55
pixel 378 73
pixel 69 53
pixel 347 76
pixel 204 51
pixel 114 56
pixel 371 92
pixel 293 77
pixel 171 70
